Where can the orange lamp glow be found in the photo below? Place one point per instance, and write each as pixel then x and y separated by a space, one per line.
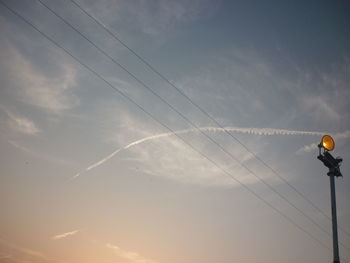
pixel 327 143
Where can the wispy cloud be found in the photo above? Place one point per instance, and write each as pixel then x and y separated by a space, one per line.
pixel 129 255
pixel 34 253
pixel 18 123
pixel 313 146
pixel 24 125
pixel 25 252
pixel 307 148
pixel 320 108
pixel 38 89
pixel 30 80
pixel 65 235
pixel 153 17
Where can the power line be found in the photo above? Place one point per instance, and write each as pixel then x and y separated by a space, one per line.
pixel 113 35
pixel 189 121
pixel 287 218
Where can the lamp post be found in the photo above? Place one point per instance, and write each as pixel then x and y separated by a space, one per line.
pixel 332 164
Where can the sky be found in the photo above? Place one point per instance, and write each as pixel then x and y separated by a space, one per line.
pixel 168 131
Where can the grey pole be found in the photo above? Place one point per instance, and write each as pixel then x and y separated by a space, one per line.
pixel 334 220
pixel 333 165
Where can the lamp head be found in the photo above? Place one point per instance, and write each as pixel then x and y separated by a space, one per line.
pixel 327 143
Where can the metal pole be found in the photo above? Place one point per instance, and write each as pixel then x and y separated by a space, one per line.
pixel 334 220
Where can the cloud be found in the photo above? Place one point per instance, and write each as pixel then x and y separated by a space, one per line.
pixel 33 253
pixel 24 125
pixel 41 77
pixel 129 255
pixel 307 148
pixel 65 235
pixel 38 89
pixel 324 95
pixel 19 253
pixel 18 123
pixel 151 17
pixel 320 108
pixel 313 146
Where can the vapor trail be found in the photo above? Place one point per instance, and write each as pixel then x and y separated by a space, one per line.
pixel 253 131
pixel 102 161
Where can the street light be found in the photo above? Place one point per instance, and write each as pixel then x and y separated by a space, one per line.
pixel 327 143
pixel 333 164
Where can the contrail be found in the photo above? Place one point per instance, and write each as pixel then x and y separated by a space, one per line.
pixel 102 161
pixel 253 131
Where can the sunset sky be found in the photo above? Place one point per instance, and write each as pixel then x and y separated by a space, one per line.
pixel 172 131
